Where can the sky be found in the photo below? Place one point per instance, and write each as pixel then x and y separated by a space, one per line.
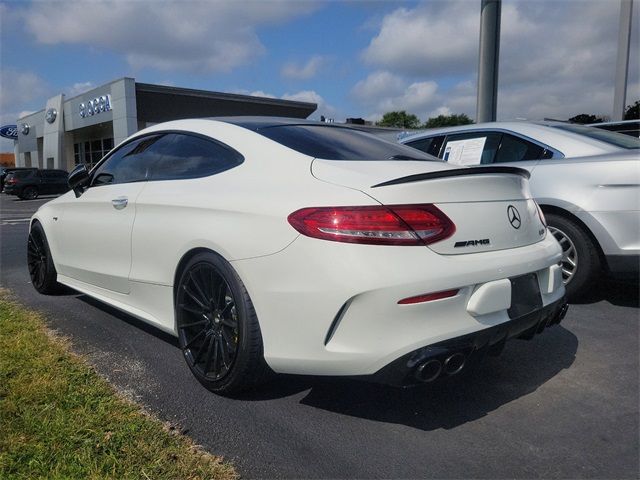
pixel 352 58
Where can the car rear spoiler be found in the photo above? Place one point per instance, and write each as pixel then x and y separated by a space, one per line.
pixel 458 172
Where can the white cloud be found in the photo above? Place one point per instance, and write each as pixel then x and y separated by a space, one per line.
pixel 384 92
pixel 304 71
pixel 557 59
pixel 18 88
pixel 302 96
pixel 259 93
pixel 314 97
pixel 376 85
pixel 192 35
pixel 79 88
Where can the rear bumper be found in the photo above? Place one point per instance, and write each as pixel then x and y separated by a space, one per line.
pixel 329 308
pixel 11 190
pixel 449 357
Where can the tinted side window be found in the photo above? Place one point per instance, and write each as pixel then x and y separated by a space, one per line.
pixel 190 156
pixel 429 145
pixel 514 149
pixel 472 148
pixel 53 174
pixel 22 174
pixel 423 144
pixel 131 162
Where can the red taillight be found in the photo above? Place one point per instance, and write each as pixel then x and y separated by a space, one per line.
pixel 12 181
pixel 375 225
pixel 428 297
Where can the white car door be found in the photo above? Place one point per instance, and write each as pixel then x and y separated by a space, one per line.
pixel 95 228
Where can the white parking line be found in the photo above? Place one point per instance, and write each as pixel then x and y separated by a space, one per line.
pixel 14 221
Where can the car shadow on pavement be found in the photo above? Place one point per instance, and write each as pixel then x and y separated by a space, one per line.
pixel 616 292
pixel 479 389
pixel 447 403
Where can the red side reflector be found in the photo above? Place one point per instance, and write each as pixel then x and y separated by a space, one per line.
pixel 428 297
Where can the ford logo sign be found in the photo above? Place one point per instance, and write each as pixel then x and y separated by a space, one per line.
pixel 9 131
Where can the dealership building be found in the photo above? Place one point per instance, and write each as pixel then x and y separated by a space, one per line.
pixel 84 128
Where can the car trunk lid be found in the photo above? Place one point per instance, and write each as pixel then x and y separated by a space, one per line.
pixel 491 207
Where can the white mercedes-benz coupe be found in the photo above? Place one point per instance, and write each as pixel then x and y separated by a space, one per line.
pixel 269 244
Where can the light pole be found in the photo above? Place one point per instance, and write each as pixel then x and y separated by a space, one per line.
pixel 622 64
pixel 488 57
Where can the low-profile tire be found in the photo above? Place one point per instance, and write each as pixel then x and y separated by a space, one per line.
pixel 581 263
pixel 29 193
pixel 40 263
pixel 218 329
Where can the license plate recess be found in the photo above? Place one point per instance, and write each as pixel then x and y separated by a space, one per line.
pixel 525 295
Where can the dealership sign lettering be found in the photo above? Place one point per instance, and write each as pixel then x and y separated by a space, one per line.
pixel 9 131
pixel 95 106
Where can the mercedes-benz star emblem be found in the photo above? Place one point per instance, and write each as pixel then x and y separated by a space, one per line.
pixel 51 115
pixel 514 217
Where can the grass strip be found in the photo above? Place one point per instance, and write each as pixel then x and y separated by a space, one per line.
pixel 60 419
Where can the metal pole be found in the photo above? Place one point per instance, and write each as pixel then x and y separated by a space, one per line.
pixel 488 60
pixel 622 64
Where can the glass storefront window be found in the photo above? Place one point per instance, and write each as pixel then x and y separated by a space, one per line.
pixel 92 151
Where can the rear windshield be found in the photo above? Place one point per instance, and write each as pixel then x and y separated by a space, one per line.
pixel 612 138
pixel 339 143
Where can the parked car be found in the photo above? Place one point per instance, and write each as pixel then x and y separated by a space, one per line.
pixel 27 184
pixel 4 171
pixel 628 127
pixel 586 180
pixel 303 248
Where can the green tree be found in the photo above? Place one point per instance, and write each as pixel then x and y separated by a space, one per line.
pixel 400 119
pixel 585 118
pixel 632 112
pixel 447 121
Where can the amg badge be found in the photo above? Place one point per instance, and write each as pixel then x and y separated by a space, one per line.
pixel 472 243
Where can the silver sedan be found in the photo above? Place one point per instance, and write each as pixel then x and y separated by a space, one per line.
pixel 586 180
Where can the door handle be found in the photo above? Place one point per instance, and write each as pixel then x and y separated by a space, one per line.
pixel 119 203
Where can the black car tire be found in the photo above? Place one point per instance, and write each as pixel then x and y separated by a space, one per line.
pixel 29 193
pixel 588 264
pixel 214 315
pixel 40 263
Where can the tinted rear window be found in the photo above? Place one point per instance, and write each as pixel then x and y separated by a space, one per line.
pixel 612 138
pixel 338 143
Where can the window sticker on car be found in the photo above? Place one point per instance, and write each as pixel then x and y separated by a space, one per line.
pixel 464 152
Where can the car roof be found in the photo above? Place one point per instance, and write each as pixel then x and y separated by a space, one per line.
pixel 257 123
pixel 568 143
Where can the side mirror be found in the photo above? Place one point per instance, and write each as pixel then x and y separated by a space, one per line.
pixel 78 179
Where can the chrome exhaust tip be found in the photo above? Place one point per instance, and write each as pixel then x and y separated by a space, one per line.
pixel 428 371
pixel 454 363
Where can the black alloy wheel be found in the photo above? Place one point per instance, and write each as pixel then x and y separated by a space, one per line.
pixel 217 327
pixel 41 268
pixel 29 193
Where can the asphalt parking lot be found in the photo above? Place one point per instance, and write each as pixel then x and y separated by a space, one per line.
pixel 563 405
